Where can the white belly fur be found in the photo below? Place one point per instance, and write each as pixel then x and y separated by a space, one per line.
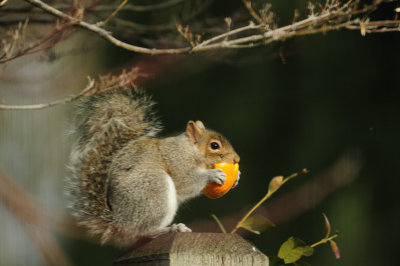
pixel 172 204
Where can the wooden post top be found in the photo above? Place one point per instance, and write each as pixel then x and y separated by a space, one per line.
pixel 192 249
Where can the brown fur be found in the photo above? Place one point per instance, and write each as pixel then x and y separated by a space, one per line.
pixel 107 123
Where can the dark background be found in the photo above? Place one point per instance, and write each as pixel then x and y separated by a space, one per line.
pixel 302 103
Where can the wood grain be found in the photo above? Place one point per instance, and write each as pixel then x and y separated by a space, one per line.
pixel 183 249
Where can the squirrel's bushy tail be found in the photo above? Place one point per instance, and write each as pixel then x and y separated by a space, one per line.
pixel 105 123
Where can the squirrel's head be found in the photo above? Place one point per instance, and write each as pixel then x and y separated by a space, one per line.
pixel 213 147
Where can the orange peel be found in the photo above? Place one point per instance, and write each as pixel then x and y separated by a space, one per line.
pixel 213 190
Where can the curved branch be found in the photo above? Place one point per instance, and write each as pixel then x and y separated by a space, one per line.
pixel 105 83
pixel 83 93
pixel 103 33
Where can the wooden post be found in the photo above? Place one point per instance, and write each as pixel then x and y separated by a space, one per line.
pixel 192 249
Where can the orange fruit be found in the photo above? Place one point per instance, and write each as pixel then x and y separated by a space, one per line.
pixel 214 190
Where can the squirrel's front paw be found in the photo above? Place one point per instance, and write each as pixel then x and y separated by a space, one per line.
pixel 218 176
pixel 237 180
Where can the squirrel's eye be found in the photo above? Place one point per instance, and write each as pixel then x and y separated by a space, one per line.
pixel 214 145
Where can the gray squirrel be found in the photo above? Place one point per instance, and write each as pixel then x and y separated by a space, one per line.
pixel 126 183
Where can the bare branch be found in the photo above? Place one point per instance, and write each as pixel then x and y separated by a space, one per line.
pixel 14 47
pixel 105 83
pixel 334 16
pixel 103 33
pixel 45 105
pixel 251 26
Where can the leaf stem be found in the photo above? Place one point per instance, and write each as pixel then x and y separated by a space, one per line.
pixel 324 240
pixel 221 227
pixel 267 196
pixel 251 211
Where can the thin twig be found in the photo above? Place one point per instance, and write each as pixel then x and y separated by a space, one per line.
pixel 51 104
pixel 251 26
pixel 267 196
pixel 28 50
pixel 105 83
pixel 253 13
pixel 103 33
pixel 115 12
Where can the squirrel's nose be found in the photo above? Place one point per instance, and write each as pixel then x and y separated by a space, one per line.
pixel 236 159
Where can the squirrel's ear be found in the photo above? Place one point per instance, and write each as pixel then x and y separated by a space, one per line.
pixel 200 125
pixel 194 130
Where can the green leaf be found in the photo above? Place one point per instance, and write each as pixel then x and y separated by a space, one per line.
pixel 257 224
pixel 293 255
pixel 291 250
pixel 308 251
pixel 335 249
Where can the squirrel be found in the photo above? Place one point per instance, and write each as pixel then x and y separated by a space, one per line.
pixel 125 182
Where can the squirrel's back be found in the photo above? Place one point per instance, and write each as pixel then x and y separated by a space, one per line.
pixel 106 122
